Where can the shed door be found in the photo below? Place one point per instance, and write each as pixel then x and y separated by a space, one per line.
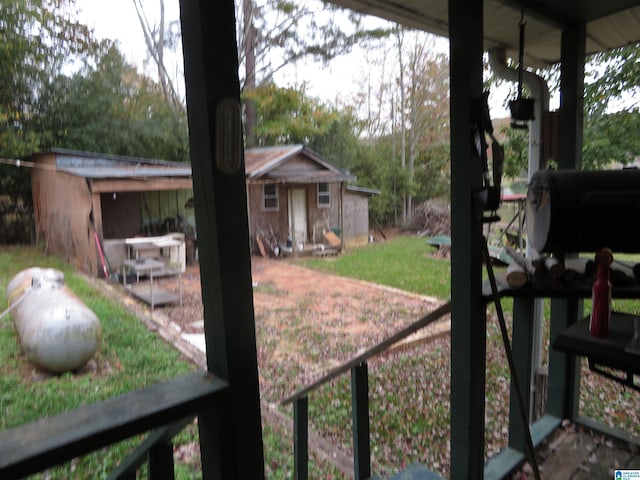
pixel 298 214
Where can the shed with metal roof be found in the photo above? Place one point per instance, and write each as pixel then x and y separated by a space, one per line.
pixel 295 196
pixel 78 194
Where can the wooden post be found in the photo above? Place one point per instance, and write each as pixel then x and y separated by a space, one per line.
pixel 301 439
pixel 360 415
pixel 563 388
pixel 230 432
pixel 521 345
pixel 161 462
pixel 468 316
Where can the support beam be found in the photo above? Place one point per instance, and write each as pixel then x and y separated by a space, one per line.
pixel 301 438
pixel 230 436
pixel 468 318
pixel 161 462
pixel 360 416
pixel 564 375
pixel 521 345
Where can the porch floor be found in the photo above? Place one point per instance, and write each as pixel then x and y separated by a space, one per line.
pixel 574 453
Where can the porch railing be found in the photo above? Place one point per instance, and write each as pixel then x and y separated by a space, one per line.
pixel 359 401
pixel 48 442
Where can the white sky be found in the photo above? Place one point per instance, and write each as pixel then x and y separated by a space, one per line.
pixel 117 20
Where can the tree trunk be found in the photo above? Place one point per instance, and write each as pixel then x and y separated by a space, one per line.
pixel 250 71
pixel 403 132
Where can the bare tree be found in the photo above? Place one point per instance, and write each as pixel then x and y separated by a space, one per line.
pixel 157 37
pixel 276 33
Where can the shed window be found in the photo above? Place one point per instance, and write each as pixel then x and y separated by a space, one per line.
pixel 270 197
pixel 324 195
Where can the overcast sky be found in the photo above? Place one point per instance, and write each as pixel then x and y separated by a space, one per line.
pixel 117 19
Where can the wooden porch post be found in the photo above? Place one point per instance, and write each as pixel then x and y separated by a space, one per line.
pixel 564 375
pixel 468 318
pixel 231 434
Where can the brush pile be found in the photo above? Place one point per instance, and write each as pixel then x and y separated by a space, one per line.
pixel 432 217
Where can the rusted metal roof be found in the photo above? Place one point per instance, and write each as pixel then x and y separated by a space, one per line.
pixel 260 163
pixel 610 24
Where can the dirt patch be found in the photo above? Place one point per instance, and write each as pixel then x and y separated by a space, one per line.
pixel 307 321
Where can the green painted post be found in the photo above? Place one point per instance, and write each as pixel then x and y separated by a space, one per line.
pixel 563 383
pixel 563 389
pixel 127 476
pixel 161 462
pixel 360 415
pixel 231 430
pixel 301 438
pixel 468 313
pixel 521 345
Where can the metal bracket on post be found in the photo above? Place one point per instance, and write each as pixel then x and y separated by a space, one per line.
pixel 228 136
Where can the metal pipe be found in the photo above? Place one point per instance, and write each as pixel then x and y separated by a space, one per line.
pixel 539 91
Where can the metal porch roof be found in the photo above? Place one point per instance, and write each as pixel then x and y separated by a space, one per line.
pixel 610 24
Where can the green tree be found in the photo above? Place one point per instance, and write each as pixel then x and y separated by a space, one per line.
pixel 37 39
pixel 277 33
pixel 614 75
pixel 614 81
pixel 610 139
pixel 340 141
pixel 610 114
pixel 516 145
pixel 287 115
pixel 111 108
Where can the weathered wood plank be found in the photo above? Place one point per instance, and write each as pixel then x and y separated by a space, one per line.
pixel 51 441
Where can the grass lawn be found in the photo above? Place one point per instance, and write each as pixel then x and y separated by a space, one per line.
pixel 404 262
pixel 130 357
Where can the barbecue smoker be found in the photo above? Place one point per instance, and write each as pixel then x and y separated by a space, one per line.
pixel 571 211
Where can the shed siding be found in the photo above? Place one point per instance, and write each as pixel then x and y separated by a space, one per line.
pixel 264 222
pixel 318 218
pixel 296 165
pixel 321 218
pixel 62 208
pixel 161 207
pixel 356 219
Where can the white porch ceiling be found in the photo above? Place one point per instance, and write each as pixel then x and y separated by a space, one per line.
pixel 610 23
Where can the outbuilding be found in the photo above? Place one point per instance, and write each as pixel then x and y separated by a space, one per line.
pixel 90 207
pixel 296 197
pixel 87 204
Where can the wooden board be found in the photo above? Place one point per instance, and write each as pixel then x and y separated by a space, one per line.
pixel 332 238
pixel 261 248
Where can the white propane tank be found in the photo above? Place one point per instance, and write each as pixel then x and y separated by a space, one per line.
pixel 57 331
